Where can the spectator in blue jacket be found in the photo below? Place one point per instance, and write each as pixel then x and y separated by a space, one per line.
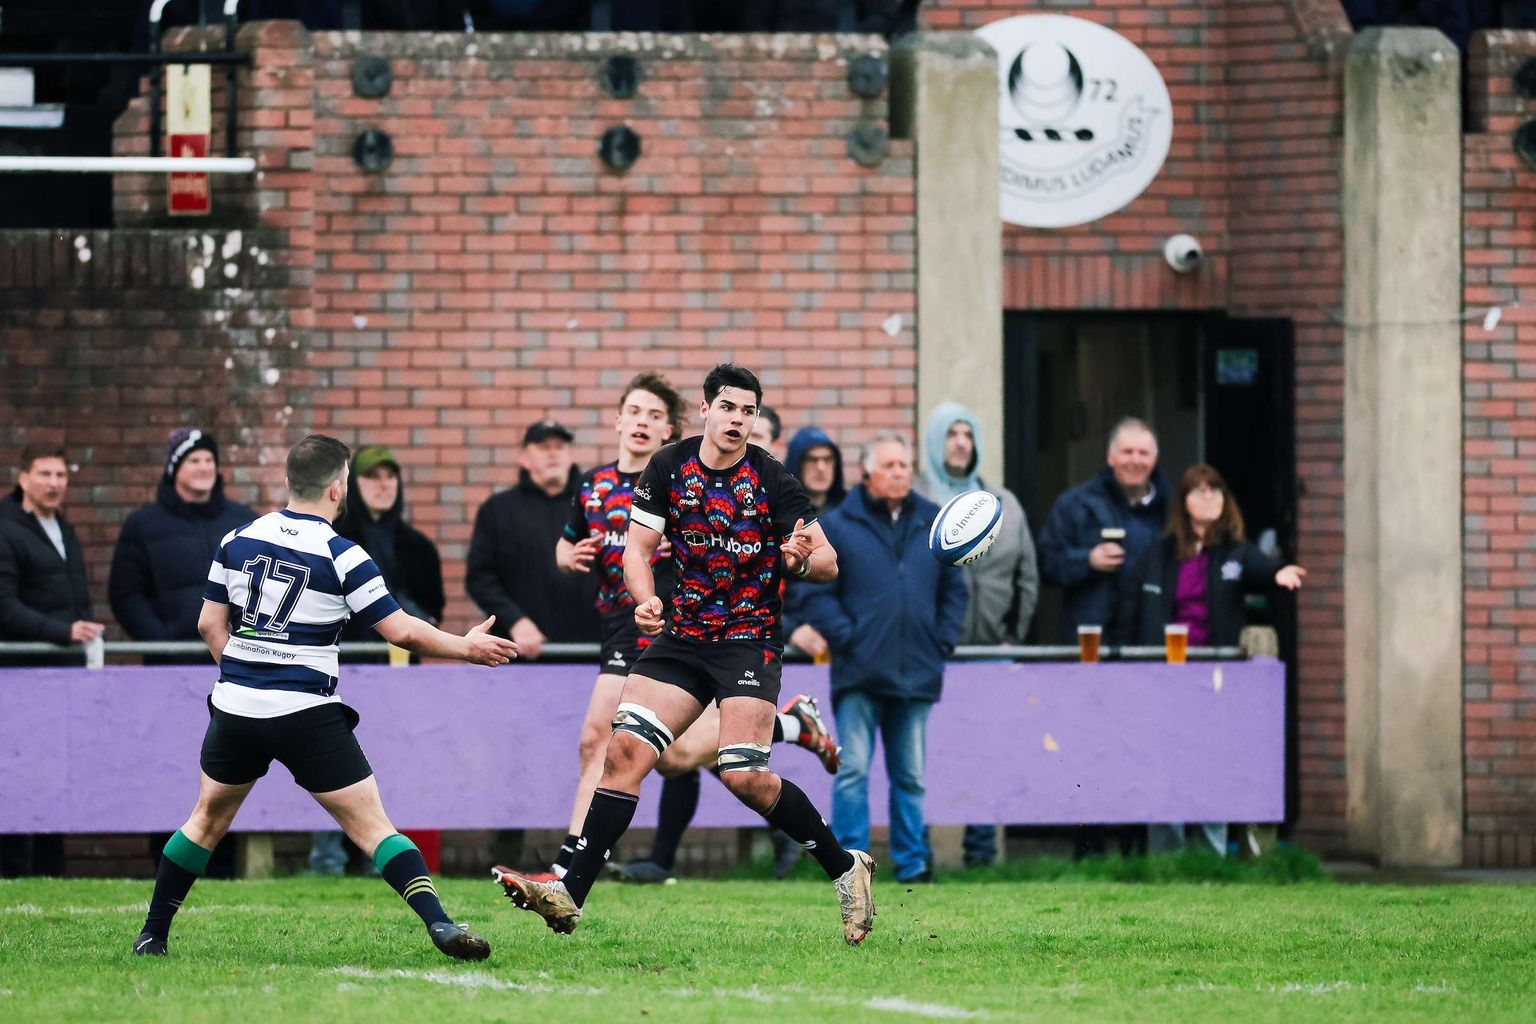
pixel 890 618
pixel 1131 495
pixel 160 565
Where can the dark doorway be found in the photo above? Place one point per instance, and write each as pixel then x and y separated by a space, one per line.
pixel 1217 389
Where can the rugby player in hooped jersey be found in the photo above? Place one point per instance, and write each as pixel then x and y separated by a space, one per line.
pixel 736 520
pixel 279 592
pixel 650 413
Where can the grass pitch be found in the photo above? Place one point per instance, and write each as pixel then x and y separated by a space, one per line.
pixel 988 948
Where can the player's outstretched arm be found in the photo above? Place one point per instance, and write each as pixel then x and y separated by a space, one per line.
pixel 418 636
pixel 213 627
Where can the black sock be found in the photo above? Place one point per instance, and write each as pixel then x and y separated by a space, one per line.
pixel 793 814
pixel 181 864
pixel 778 729
pixel 679 799
pixel 567 851
pixel 405 869
pixel 609 816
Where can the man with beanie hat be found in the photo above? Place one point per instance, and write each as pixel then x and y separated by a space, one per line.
pixel 160 564
pixel 159 568
pixel 1005 585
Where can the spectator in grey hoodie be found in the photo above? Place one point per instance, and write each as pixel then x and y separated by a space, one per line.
pixel 1005 584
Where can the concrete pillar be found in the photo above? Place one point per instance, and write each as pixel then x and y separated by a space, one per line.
pixel 944 97
pixel 1402 445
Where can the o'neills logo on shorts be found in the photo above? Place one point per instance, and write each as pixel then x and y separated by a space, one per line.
pixel 732 546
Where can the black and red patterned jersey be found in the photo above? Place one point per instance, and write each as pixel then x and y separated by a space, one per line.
pixel 725 526
pixel 600 508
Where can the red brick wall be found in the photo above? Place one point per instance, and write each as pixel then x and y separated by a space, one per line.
pixel 1499 390
pixel 496 273
pixel 1253 172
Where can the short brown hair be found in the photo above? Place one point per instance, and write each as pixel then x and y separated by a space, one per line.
pixel 656 384
pixel 32 452
pixel 1226 530
pixel 314 464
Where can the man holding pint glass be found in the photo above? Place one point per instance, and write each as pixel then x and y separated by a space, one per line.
pixel 1190 590
pixel 1099 530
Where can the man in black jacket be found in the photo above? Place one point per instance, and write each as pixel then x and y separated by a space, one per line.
pixel 511 571
pixel 42 597
pixel 160 565
pixel 42 571
pixel 375 520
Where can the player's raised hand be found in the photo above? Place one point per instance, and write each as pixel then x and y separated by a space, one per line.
pixel 648 616
pixel 485 649
pixel 796 547
pixel 580 554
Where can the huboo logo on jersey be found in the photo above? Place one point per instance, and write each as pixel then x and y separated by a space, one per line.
pixel 1084 115
pixel 732 546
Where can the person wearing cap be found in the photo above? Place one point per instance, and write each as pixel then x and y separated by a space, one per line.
pixel 375 521
pixel 160 564
pixel 511 571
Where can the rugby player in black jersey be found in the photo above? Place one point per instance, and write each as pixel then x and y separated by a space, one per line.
pixel 736 520
pixel 650 413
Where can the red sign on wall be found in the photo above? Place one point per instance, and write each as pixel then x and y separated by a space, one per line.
pixel 188 125
pixel 190 191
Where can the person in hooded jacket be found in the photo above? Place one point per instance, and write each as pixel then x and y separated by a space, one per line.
pixel 1004 585
pixel 817 462
pixel 160 564
pixel 375 521
pixel 1198 574
pixel 891 617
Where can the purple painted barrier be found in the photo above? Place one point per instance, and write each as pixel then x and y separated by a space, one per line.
pixel 456 747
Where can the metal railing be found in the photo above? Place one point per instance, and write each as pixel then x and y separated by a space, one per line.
pixel 230 59
pixel 93 655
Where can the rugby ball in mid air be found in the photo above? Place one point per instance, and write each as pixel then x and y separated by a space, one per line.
pixel 965 528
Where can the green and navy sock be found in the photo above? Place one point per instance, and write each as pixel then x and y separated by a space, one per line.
pixel 182 862
pixel 404 868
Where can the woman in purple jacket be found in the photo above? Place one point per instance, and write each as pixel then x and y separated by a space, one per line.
pixel 1199 575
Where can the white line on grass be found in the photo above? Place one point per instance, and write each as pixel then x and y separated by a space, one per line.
pixel 899 1005
pixel 477 980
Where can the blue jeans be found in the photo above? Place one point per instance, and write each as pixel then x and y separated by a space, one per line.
pixel 903 730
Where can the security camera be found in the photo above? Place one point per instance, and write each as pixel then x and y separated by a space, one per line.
pixel 1183 253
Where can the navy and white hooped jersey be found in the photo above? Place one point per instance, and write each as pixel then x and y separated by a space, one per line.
pixel 290 584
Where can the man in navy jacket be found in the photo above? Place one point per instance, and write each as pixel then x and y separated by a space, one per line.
pixel 160 565
pixel 890 618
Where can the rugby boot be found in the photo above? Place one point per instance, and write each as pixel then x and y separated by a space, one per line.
pixel 547 899
pixel 458 942
pixel 149 945
pixel 643 872
pixel 813 731
pixel 856 898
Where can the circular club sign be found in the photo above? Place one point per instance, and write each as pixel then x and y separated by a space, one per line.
pixel 1085 119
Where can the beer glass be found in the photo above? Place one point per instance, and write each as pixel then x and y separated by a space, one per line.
pixel 1088 643
pixel 1176 641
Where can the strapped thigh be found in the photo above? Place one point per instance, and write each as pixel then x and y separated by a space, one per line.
pixel 644 723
